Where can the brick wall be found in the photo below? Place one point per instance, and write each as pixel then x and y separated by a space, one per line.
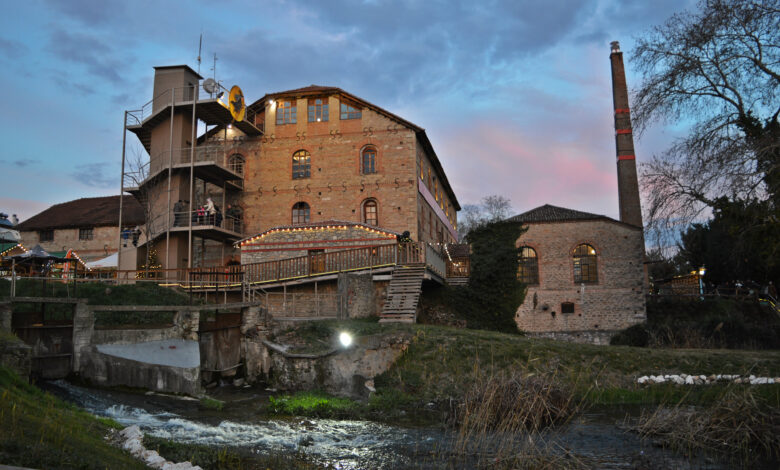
pixel 615 302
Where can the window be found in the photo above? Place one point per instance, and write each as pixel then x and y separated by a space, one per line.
pixel 86 233
pixel 301 165
pixel 300 213
pixel 318 110
pixel 349 111
pixel 370 212
pixel 46 236
pixel 286 113
pixel 527 266
pixel 585 265
pixel 236 163
pixel 567 307
pixel 368 160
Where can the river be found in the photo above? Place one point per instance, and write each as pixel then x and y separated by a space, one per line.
pixel 595 438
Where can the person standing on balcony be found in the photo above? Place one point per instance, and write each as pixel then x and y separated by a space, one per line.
pixel 211 211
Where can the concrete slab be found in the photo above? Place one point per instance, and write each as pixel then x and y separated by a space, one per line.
pixel 169 352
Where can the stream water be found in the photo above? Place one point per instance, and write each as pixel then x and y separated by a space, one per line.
pixel 595 438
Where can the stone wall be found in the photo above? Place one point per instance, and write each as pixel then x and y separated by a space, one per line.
pixel 615 302
pixel 297 242
pixel 103 243
pixel 345 372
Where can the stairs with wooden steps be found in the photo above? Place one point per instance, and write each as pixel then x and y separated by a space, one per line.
pixel 403 294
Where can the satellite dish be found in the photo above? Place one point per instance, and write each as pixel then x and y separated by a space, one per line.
pixel 210 85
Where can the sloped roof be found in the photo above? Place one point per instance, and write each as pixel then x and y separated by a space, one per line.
pixel 324 223
pixel 419 131
pixel 86 212
pixel 550 213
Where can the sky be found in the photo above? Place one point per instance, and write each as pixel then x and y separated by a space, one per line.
pixel 515 95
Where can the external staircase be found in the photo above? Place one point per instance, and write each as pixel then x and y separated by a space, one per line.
pixel 403 294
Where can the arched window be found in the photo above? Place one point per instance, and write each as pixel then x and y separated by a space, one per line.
pixel 370 213
pixel 301 165
pixel 368 160
pixel 236 163
pixel 527 266
pixel 300 213
pixel 585 265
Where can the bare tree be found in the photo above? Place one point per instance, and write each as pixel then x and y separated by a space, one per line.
pixel 490 209
pixel 718 69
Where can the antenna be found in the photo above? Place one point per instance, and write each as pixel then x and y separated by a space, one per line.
pixel 214 68
pixel 200 48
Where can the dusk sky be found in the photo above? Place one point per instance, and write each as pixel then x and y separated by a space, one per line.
pixel 514 95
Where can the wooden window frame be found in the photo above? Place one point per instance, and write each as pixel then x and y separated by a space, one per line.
pixel 371 150
pixel 528 266
pixel 86 233
pixel 349 110
pixel 301 210
pixel 319 112
pixel 371 203
pixel 585 264
pixel 46 235
pixel 286 112
pixel 301 165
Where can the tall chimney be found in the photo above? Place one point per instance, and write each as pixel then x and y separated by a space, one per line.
pixel 628 184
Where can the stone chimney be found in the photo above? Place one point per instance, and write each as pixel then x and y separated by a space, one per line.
pixel 628 184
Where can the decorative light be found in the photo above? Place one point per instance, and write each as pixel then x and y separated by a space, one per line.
pixel 345 339
pixel 702 271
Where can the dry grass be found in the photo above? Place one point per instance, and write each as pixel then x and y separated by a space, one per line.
pixel 503 415
pixel 740 424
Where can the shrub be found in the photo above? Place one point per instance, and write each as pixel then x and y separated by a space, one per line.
pixel 636 335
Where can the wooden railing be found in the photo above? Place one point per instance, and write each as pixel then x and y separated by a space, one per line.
pixel 315 264
pixel 339 261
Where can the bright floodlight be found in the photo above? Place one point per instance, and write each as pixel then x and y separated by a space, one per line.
pixel 345 339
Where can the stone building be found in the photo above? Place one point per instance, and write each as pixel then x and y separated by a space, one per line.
pixel 90 226
pixel 300 157
pixel 585 272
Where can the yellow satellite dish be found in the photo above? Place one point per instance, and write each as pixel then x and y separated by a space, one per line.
pixel 236 103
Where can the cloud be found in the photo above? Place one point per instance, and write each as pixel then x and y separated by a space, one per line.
pixel 89 51
pixel 93 174
pixel 12 49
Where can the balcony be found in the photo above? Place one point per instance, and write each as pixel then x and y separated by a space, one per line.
pixel 214 227
pixel 211 111
pixel 211 164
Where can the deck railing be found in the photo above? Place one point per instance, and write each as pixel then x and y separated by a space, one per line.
pixel 221 278
pixel 317 264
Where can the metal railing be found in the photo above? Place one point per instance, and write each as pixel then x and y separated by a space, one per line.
pixel 201 219
pixel 175 96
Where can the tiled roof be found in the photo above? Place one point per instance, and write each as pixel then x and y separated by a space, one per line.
pixel 86 212
pixel 324 223
pixel 307 90
pixel 550 213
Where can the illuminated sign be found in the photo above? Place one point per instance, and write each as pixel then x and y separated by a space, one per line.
pixel 236 103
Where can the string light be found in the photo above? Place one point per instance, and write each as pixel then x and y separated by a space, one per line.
pixel 317 229
pixel 9 249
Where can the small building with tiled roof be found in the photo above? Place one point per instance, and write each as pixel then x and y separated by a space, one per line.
pixel 584 274
pixel 87 225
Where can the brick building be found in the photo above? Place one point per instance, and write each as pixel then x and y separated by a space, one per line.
pixel 300 157
pixel 90 226
pixel 585 272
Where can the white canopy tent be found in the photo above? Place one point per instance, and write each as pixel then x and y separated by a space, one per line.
pixel 108 262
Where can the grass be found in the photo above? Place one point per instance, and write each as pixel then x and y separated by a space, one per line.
pixel 441 363
pixel 314 404
pixel 226 458
pixel 211 403
pixel 100 294
pixel 40 431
